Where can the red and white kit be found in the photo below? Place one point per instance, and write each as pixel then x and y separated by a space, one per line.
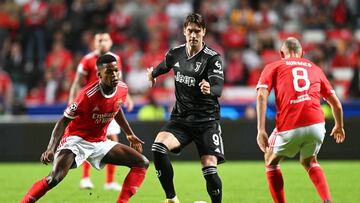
pixel 298 86
pixel 92 112
pixel 87 67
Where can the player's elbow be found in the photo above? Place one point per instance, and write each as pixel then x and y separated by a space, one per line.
pixel 261 96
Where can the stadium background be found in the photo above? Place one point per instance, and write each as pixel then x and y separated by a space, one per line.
pixel 41 43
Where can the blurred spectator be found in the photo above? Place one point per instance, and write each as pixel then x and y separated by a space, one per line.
pixel 14 66
pixel 119 23
pixel 235 73
pixel 6 93
pixel 35 12
pixel 57 63
pixel 151 111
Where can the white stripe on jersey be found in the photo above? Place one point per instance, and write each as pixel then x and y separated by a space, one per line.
pixel 93 90
pixel 209 51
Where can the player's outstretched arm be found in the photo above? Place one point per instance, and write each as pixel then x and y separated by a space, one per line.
pixel 338 131
pixel 56 136
pixel 261 105
pixel 135 142
pixel 151 79
pixel 75 86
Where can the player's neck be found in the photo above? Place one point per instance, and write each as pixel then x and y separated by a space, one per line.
pixel 192 51
pixel 108 90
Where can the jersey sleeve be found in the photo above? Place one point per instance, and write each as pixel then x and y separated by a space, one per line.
pixel 266 78
pixel 76 107
pixel 82 67
pixel 215 75
pixel 164 66
pixel 325 87
pixel 215 68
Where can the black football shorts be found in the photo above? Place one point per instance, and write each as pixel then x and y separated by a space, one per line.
pixel 206 135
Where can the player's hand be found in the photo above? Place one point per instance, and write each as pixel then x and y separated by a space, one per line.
pixel 47 157
pixel 150 77
pixel 262 140
pixel 135 142
pixel 338 133
pixel 204 87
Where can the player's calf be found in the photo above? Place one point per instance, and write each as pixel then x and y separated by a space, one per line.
pixel 164 168
pixel 213 183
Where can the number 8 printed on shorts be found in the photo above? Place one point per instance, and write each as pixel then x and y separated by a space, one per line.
pixel 298 77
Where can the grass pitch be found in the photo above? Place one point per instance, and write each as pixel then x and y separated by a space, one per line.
pixel 243 181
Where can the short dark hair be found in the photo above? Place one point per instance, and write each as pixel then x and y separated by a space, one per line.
pixel 103 60
pixel 293 45
pixel 195 18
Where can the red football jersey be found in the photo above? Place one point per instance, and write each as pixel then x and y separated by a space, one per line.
pixel 298 85
pixel 87 66
pixel 92 111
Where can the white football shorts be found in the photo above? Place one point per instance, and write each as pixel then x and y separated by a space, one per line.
pixel 307 140
pixel 113 128
pixel 93 152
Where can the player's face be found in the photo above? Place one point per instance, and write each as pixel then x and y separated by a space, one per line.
pixel 194 35
pixel 103 43
pixel 110 74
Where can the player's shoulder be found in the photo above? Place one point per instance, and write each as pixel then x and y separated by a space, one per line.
pixel 90 89
pixel 122 85
pixel 209 51
pixel 274 64
pixel 176 49
pixel 89 56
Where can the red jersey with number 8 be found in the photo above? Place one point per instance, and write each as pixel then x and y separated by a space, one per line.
pixel 298 86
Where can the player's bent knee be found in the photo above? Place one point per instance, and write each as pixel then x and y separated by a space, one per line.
pixel 142 162
pixel 53 180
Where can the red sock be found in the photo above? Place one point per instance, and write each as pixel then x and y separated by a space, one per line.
pixel 131 184
pixel 110 172
pixel 276 183
pixel 318 178
pixel 36 191
pixel 86 169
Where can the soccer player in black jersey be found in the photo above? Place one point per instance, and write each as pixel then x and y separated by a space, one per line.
pixel 195 117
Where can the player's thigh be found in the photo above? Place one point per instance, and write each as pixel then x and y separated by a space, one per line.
pixel 208 140
pixel 313 140
pixel 174 136
pixel 126 156
pixel 286 143
pixel 63 161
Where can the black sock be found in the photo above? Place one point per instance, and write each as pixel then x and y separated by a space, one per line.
pixel 164 169
pixel 213 183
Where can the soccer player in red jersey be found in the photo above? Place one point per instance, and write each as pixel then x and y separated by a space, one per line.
pixel 80 135
pixel 300 125
pixel 86 74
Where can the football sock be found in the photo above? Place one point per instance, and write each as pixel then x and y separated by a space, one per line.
pixel 276 183
pixel 164 169
pixel 131 184
pixel 36 191
pixel 86 169
pixel 317 176
pixel 213 183
pixel 110 173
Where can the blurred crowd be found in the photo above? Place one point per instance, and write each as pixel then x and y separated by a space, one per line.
pixel 42 41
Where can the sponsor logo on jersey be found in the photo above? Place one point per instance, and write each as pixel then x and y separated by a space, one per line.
pixel 217 150
pixel 177 64
pixel 189 81
pixel 218 65
pixel 198 65
pixel 103 117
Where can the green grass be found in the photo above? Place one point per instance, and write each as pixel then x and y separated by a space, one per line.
pixel 242 182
